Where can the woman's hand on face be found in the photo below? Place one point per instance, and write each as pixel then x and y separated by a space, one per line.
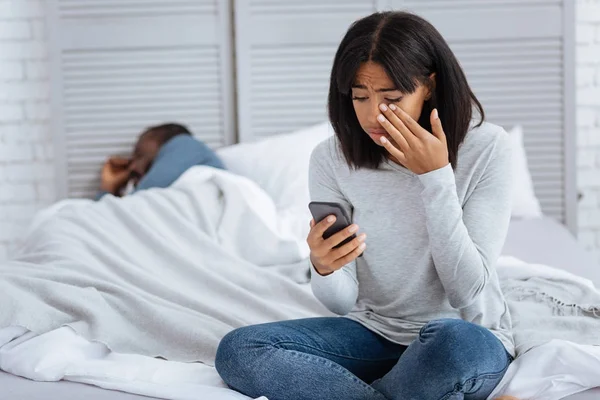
pixel 418 150
pixel 323 256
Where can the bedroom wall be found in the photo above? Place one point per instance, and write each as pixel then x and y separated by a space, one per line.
pixel 26 151
pixel 588 122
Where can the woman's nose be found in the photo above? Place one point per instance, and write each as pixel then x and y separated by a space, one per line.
pixel 374 111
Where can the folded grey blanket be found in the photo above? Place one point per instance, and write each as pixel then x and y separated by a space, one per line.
pixel 547 303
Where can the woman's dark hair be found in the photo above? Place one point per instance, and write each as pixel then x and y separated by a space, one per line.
pixel 165 132
pixel 409 49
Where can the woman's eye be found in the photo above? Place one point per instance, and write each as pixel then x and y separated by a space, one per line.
pixel 359 98
pixel 397 99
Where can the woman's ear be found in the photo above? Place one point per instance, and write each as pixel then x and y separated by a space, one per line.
pixel 430 86
pixel 432 79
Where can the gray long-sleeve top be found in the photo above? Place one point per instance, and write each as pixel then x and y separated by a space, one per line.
pixel 432 239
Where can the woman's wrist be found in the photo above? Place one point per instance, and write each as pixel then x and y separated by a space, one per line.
pixel 320 270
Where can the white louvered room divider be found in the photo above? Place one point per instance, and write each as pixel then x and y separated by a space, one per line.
pixel 126 64
pixel 122 65
pixel 284 52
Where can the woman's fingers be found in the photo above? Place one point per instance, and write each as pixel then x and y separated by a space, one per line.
pixel 410 123
pixel 349 257
pixel 325 252
pixel 324 224
pixel 406 138
pixel 340 236
pixel 349 247
pixel 436 126
pixel 315 236
pixel 399 155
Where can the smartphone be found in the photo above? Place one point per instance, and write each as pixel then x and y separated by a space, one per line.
pixel 321 210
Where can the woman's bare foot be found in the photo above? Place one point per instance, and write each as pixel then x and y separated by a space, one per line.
pixel 506 398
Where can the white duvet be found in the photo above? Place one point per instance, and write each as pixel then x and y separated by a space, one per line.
pixel 549 371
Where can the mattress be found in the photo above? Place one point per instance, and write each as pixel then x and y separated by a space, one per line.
pixel 541 241
pixel 545 241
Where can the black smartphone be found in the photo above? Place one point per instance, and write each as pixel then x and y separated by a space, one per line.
pixel 321 210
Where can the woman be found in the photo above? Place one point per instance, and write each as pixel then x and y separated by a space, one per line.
pixel 430 184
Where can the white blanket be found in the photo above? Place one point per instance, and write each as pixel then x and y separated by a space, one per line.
pixel 547 303
pixel 163 272
pixel 207 202
pixel 187 264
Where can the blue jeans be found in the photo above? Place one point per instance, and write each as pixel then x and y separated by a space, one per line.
pixel 337 358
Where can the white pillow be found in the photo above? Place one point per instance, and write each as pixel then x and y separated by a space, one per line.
pixel 279 164
pixel 525 204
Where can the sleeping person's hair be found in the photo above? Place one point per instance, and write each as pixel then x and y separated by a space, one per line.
pixel 165 132
pixel 149 144
pixel 410 50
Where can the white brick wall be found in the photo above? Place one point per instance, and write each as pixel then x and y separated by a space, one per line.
pixel 26 152
pixel 588 122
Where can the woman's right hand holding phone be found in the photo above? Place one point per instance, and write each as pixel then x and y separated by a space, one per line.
pixel 327 259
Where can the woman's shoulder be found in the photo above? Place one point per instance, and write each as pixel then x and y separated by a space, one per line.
pixel 485 138
pixel 328 151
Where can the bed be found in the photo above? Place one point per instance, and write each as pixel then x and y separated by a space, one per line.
pixel 506 67
pixel 540 240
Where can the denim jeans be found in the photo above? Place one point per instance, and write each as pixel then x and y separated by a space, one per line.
pixel 337 358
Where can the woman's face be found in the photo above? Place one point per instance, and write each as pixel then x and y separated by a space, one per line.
pixel 372 87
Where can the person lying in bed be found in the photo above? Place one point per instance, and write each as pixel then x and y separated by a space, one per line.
pixel 415 165
pixel 161 154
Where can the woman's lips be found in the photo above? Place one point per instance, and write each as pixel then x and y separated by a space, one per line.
pixel 377 135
